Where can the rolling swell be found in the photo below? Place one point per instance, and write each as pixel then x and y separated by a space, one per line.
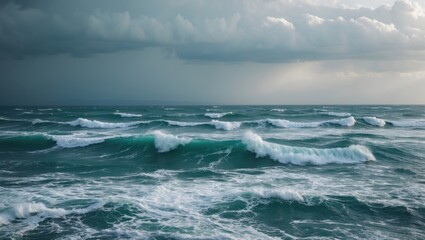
pixel 164 142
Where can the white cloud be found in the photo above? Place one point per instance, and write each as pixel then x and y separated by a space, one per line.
pixel 281 21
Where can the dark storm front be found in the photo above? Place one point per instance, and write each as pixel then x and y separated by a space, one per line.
pixel 212 172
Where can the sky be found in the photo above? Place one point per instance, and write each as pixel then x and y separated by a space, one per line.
pixel 131 52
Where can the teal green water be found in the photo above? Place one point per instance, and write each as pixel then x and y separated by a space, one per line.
pixel 212 172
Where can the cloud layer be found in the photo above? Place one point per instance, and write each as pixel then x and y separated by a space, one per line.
pixel 221 30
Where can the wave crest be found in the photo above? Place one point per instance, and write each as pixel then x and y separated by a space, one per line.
pixel 374 121
pixel 99 124
pixel 302 155
pixel 166 142
pixel 217 115
pixel 127 115
pixel 282 123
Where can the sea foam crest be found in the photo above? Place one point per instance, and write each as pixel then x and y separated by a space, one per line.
pixel 282 123
pixel 99 124
pixel 221 125
pixel 284 194
pixel 128 115
pixel 217 115
pixel 302 155
pixel 166 142
pixel 225 125
pixel 374 121
pixel 338 114
pixel 25 210
pixel 278 110
pixel 71 141
pixel 408 123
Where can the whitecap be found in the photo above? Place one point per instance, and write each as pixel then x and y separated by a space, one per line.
pixel 282 123
pixel 25 210
pixel 127 115
pixel 166 142
pixel 99 124
pixel 302 155
pixel 408 123
pixel 71 141
pixel 225 125
pixel 217 115
pixel 278 110
pixel 338 114
pixel 374 121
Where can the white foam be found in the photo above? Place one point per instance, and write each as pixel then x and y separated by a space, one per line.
pixel 221 125
pixel 99 124
pixel 282 123
pixel 184 124
pixel 374 121
pixel 302 155
pixel 166 142
pixel 217 115
pixel 37 120
pixel 338 114
pixel 408 123
pixel 19 109
pixel 284 194
pixel 71 141
pixel 45 109
pixel 25 210
pixel 128 115
pixel 225 125
pixel 277 110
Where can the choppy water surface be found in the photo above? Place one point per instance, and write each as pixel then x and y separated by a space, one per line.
pixel 213 172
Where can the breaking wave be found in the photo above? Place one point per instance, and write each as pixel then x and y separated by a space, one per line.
pixel 338 114
pixel 220 125
pixel 408 123
pixel 166 142
pixel 128 115
pixel 217 115
pixel 282 123
pixel 302 155
pixel 374 121
pixel 26 210
pixel 99 124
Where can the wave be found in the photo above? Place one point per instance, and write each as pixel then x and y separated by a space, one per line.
pixel 282 123
pixel 217 115
pixel 220 125
pixel 99 124
pixel 278 110
pixel 284 194
pixel 71 141
pixel 26 210
pixel 19 109
pixel 338 114
pixel 374 121
pixel 408 123
pixel 127 115
pixel 225 125
pixel 302 155
pixel 45 109
pixel 166 142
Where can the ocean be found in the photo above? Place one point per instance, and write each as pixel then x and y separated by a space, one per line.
pixel 212 172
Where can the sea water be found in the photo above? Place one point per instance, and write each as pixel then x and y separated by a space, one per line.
pixel 212 172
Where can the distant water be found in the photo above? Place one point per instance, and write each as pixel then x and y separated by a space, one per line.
pixel 212 172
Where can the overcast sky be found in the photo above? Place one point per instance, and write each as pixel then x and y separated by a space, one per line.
pixel 212 52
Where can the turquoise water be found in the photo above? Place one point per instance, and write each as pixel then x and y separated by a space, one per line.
pixel 212 172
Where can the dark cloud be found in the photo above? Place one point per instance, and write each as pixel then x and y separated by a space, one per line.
pixel 222 30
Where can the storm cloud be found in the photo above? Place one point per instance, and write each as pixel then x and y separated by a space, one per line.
pixel 212 52
pixel 222 30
